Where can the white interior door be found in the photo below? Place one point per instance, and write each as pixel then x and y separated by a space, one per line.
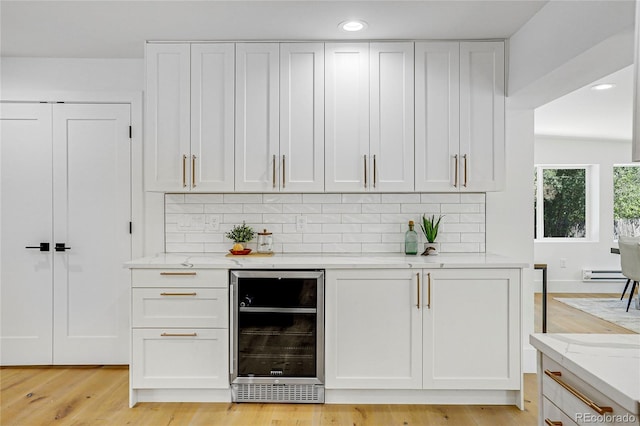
pixel 92 210
pixel 26 283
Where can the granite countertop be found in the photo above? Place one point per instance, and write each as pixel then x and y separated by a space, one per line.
pixel 608 362
pixel 330 261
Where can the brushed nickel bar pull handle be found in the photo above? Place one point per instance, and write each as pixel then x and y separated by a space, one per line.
pixel 179 273
pixel 179 294
pixel 365 171
pixel 418 287
pixel 178 334
pixel 455 178
pixel 284 168
pixel 552 423
pixel 274 171
pixel 465 170
pixel 375 168
pixel 193 171
pixel 428 290
pixel 184 171
pixel 555 375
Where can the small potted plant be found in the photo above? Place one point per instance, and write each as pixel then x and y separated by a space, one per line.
pixel 240 234
pixel 430 227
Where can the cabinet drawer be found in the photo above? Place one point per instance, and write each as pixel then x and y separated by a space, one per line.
pixel 180 358
pixel 553 414
pixel 180 307
pixel 574 407
pixel 180 278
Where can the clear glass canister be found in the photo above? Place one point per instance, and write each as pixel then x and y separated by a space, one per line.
pixel 265 242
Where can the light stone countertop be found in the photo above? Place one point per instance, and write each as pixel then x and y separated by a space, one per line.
pixel 326 261
pixel 608 362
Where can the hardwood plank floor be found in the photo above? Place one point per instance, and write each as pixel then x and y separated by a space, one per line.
pixel 98 395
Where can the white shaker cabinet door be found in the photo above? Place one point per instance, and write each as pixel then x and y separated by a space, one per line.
pixel 301 117
pixel 167 117
pixel 26 282
pixel 471 311
pixel 92 210
pixel 482 121
pixel 257 122
pixel 212 117
pixel 373 330
pixel 437 145
pixel 391 119
pixel 347 117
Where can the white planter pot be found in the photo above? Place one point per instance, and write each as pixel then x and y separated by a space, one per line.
pixel 431 249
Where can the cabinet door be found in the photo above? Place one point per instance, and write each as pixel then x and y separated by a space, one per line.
pixel 471 311
pixel 437 144
pixel 373 329
pixel 180 358
pixel 392 142
pixel 26 310
pixel 91 210
pixel 167 117
pixel 347 117
pixel 257 121
pixel 212 117
pixel 302 117
pixel 482 112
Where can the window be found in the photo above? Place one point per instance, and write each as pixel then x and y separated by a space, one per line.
pixel 626 200
pixel 561 202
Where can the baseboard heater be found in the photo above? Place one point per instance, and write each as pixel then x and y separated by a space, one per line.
pixel 602 275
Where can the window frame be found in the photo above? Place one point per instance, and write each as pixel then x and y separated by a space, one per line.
pixel 613 195
pixel 591 209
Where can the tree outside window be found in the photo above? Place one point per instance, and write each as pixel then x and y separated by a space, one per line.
pixel 626 201
pixel 561 202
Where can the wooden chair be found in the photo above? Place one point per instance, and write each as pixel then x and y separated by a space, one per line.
pixel 630 263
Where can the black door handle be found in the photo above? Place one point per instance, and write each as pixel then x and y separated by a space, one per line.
pixel 41 247
pixel 61 247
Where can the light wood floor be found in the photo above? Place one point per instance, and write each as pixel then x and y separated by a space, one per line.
pixel 99 396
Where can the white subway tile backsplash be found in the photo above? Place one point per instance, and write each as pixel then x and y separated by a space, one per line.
pixel 335 223
pixel 341 208
pixel 243 198
pixel 282 198
pixel 361 198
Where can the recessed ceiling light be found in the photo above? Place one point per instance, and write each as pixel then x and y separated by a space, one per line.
pixel 603 86
pixel 352 25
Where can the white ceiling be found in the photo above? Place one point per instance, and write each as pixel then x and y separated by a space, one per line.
pixel 118 29
pixel 592 114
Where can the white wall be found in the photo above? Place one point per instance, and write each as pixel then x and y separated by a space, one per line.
pixel 587 254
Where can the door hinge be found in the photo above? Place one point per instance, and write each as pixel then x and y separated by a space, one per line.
pixel 130 132
pixel 130 228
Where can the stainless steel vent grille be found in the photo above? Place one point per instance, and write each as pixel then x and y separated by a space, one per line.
pixel 298 393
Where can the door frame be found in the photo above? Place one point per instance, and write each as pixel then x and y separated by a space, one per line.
pixel 134 99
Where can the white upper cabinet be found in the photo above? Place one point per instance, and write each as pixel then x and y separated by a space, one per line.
pixel 212 117
pixel 482 115
pixel 257 117
pixel 459 116
pixel 391 96
pixel 347 117
pixel 167 117
pixel 369 117
pixel 437 145
pixel 189 130
pixel 301 117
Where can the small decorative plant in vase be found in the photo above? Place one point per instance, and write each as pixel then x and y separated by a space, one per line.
pixel 240 234
pixel 430 227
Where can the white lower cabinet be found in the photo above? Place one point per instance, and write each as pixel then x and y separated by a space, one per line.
pixel 180 335
pixel 423 329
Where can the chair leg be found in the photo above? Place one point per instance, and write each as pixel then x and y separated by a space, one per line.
pixel 625 288
pixel 633 289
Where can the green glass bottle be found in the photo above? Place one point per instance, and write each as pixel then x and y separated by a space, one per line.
pixel 411 240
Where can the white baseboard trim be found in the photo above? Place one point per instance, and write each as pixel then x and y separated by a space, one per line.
pixel 575 286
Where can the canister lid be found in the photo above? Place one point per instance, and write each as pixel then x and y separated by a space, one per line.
pixel 264 232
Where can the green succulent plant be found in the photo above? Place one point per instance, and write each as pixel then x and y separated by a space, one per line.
pixel 240 233
pixel 430 227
